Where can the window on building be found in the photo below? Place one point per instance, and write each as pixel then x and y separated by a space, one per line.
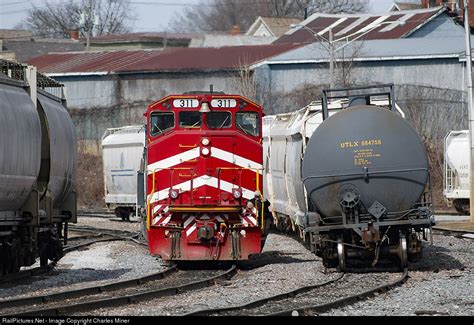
pixel 190 119
pixel 248 122
pixel 161 122
pixel 218 120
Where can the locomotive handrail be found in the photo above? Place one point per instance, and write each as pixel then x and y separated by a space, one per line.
pixel 257 185
pixel 148 217
pixel 218 169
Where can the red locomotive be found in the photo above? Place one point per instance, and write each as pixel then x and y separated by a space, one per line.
pixel 204 177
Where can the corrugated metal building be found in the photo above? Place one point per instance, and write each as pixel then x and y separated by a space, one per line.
pixel 417 61
pixel 112 88
pixel 426 49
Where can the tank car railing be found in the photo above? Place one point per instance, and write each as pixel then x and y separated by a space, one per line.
pixel 191 188
pixel 366 174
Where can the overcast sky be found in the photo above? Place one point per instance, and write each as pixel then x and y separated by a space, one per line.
pixel 151 15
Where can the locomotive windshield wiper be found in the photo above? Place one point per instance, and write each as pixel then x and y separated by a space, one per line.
pixel 242 128
pixel 156 126
pixel 222 125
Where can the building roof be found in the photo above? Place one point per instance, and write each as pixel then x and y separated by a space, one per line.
pixel 171 59
pixel 376 50
pixel 142 37
pixel 400 6
pixel 389 25
pixel 26 49
pixel 15 34
pixel 213 40
pixel 276 26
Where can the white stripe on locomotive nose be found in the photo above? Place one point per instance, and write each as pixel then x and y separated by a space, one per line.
pixel 156 219
pixel 174 160
pixel 156 208
pixel 244 222
pixel 190 230
pixel 235 159
pixel 165 222
pixel 194 153
pixel 252 220
pixel 188 221
pixel 199 182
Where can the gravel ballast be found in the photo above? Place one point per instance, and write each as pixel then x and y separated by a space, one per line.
pixel 440 284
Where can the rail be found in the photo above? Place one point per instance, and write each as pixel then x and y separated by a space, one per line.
pixel 145 294
pixel 320 308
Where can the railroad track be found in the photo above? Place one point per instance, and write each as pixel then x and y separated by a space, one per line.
pixel 114 294
pixel 452 232
pixel 123 234
pixel 99 236
pixel 277 305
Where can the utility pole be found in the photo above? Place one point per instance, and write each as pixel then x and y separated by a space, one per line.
pixel 331 59
pixel 467 33
pixel 87 24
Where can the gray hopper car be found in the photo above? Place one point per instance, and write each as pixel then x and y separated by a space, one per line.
pixel 366 184
pixel 37 169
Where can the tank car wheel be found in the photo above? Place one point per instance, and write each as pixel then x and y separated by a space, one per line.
pixel 341 256
pixel 402 251
pixel 43 260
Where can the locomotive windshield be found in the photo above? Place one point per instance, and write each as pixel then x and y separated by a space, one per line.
pixel 248 122
pixel 219 120
pixel 161 122
pixel 190 119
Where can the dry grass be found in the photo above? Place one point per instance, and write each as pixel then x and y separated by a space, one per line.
pixel 90 181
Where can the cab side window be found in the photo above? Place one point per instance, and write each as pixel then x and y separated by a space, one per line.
pixel 248 122
pixel 161 122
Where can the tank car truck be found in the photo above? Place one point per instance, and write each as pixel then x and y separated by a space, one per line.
pixel 354 182
pixel 203 161
pixel 37 168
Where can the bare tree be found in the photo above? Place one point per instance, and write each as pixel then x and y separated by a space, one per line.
pixel 339 6
pixel 433 112
pixel 245 83
pixel 57 19
pixel 344 65
pixel 221 15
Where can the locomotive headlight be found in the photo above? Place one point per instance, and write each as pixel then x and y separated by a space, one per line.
pixel 174 194
pixel 236 193
pixel 205 142
pixel 205 151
